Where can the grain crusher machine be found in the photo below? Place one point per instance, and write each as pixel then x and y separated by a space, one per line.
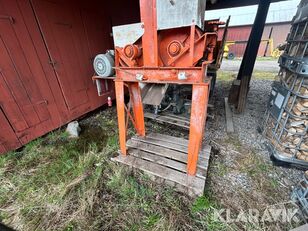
pixel 172 45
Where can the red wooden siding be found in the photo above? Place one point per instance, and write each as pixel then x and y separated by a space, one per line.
pixel 8 139
pixel 62 32
pixel 46 54
pixel 24 101
pixel 240 33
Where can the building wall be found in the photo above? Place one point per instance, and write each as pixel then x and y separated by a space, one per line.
pixel 46 52
pixel 241 33
pixel 281 11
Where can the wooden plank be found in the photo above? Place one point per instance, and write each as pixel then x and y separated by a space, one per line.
pixel 229 120
pixel 205 152
pixel 176 121
pixel 176 117
pixel 201 172
pixel 193 185
pixel 167 119
pixel 168 153
pixel 175 155
pixel 161 143
pixel 171 143
pixel 176 140
pixel 180 156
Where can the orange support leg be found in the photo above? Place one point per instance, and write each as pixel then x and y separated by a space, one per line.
pixel 197 124
pixel 137 106
pixel 119 89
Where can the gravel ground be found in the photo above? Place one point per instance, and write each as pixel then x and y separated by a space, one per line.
pixel 241 173
pixel 246 125
pixel 261 65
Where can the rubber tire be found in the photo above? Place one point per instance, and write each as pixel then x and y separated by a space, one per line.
pixel 231 56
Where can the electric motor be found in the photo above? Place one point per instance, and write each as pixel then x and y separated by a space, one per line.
pixel 104 64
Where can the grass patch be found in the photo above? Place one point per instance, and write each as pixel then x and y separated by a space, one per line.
pixel 202 204
pixel 57 183
pixel 228 76
pixel 51 183
pixel 207 205
pixel 263 75
pixel 255 166
pixel 268 58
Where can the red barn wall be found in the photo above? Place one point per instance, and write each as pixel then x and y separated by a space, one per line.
pixel 240 33
pixel 46 53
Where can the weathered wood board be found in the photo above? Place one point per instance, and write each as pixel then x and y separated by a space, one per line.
pixel 164 158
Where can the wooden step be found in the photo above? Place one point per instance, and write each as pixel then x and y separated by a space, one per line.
pixel 164 158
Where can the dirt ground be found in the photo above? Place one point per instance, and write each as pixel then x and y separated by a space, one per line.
pixel 56 183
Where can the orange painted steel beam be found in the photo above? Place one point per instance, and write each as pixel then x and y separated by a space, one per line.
pixel 119 89
pixel 129 116
pixel 162 75
pixel 137 106
pixel 149 39
pixel 192 44
pixel 200 95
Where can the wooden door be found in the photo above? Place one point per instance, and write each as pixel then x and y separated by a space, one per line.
pixel 46 52
pixel 25 97
pixel 62 29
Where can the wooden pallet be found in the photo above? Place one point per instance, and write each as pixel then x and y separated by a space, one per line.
pixel 169 118
pixel 164 158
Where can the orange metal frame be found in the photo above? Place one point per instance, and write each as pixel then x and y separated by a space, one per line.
pixel 153 72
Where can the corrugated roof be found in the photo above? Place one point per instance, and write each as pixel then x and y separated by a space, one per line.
pixel 278 12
